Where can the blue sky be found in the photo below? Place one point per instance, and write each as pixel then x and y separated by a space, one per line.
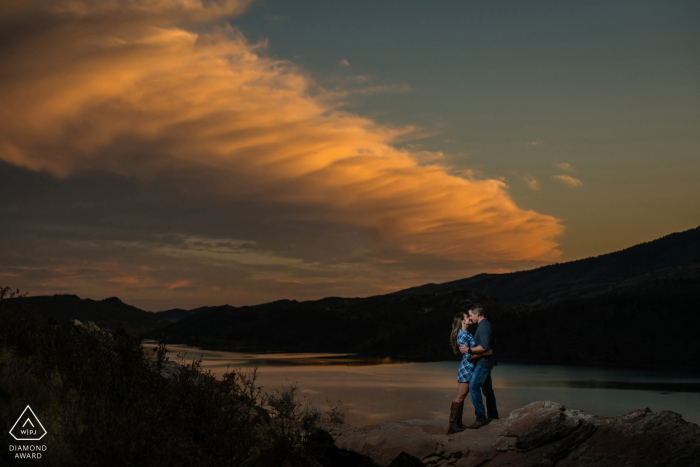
pixel 185 153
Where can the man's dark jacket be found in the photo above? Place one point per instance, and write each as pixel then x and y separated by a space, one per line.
pixel 485 338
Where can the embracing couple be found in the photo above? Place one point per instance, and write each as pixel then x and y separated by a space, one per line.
pixel 474 376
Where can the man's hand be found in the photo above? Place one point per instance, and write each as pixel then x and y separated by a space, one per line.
pixel 463 348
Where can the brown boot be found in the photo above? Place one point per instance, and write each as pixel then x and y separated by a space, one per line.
pixel 477 425
pixel 460 410
pixel 454 428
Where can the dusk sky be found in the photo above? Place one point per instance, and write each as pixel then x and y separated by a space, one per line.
pixel 188 152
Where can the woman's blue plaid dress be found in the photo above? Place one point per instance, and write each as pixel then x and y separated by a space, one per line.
pixel 466 368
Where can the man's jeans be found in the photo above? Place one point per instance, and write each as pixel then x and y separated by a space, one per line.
pixel 481 381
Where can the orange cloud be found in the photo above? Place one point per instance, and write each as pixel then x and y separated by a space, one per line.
pixel 571 181
pixel 532 182
pixel 132 88
pixel 565 166
pixel 179 284
pixel 130 280
pixel 135 281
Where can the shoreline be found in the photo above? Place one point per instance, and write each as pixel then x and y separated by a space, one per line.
pixel 380 359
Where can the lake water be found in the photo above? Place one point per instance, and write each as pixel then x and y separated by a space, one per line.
pixel 375 391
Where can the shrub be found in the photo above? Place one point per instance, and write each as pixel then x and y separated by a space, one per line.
pixel 103 401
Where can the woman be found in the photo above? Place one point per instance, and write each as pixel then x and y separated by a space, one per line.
pixel 460 336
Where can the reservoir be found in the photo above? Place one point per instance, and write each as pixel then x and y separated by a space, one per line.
pixel 374 391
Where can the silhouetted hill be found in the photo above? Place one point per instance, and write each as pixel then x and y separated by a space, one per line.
pixel 636 307
pixel 607 310
pixel 176 314
pixel 649 321
pixel 525 289
pixel 108 313
pixel 409 327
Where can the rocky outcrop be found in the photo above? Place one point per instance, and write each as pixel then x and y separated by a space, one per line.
pixel 169 369
pixel 542 434
pixel 91 327
pixel 383 443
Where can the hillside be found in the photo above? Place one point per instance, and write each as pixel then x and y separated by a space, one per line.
pixel 618 324
pixel 525 289
pixel 410 327
pixel 108 313
pixel 649 321
pixel 600 311
pixel 176 314
pixel 606 310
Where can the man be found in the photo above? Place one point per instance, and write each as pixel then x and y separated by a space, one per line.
pixel 481 379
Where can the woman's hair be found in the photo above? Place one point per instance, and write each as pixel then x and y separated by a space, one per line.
pixel 456 326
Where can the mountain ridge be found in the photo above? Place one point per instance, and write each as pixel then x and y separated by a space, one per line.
pixel 601 310
pixel 518 288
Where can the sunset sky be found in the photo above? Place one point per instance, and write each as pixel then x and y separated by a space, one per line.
pixel 181 153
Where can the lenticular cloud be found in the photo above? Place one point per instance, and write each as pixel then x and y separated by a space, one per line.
pixel 169 92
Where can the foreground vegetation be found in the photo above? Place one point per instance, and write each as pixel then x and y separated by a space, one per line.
pixel 103 401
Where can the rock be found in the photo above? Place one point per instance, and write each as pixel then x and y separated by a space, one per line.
pixel 517 413
pixel 88 325
pixel 406 460
pixel 263 417
pixel 536 425
pixel 542 434
pixel 640 438
pixel 92 328
pixel 383 443
pixel 168 370
pixel 432 459
pixel 263 435
pixel 444 459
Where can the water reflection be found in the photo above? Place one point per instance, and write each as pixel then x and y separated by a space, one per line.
pixel 374 390
pixel 643 386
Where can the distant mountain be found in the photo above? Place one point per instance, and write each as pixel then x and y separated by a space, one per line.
pixel 109 313
pixel 639 307
pixel 608 310
pixel 649 321
pixel 532 288
pixel 410 327
pixel 176 314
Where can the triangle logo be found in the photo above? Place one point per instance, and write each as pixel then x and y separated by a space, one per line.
pixel 28 427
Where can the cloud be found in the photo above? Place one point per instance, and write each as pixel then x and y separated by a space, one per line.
pixel 565 166
pixel 382 89
pixel 139 281
pixel 572 182
pixel 532 182
pixel 179 284
pixel 344 62
pixel 423 157
pixel 170 95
